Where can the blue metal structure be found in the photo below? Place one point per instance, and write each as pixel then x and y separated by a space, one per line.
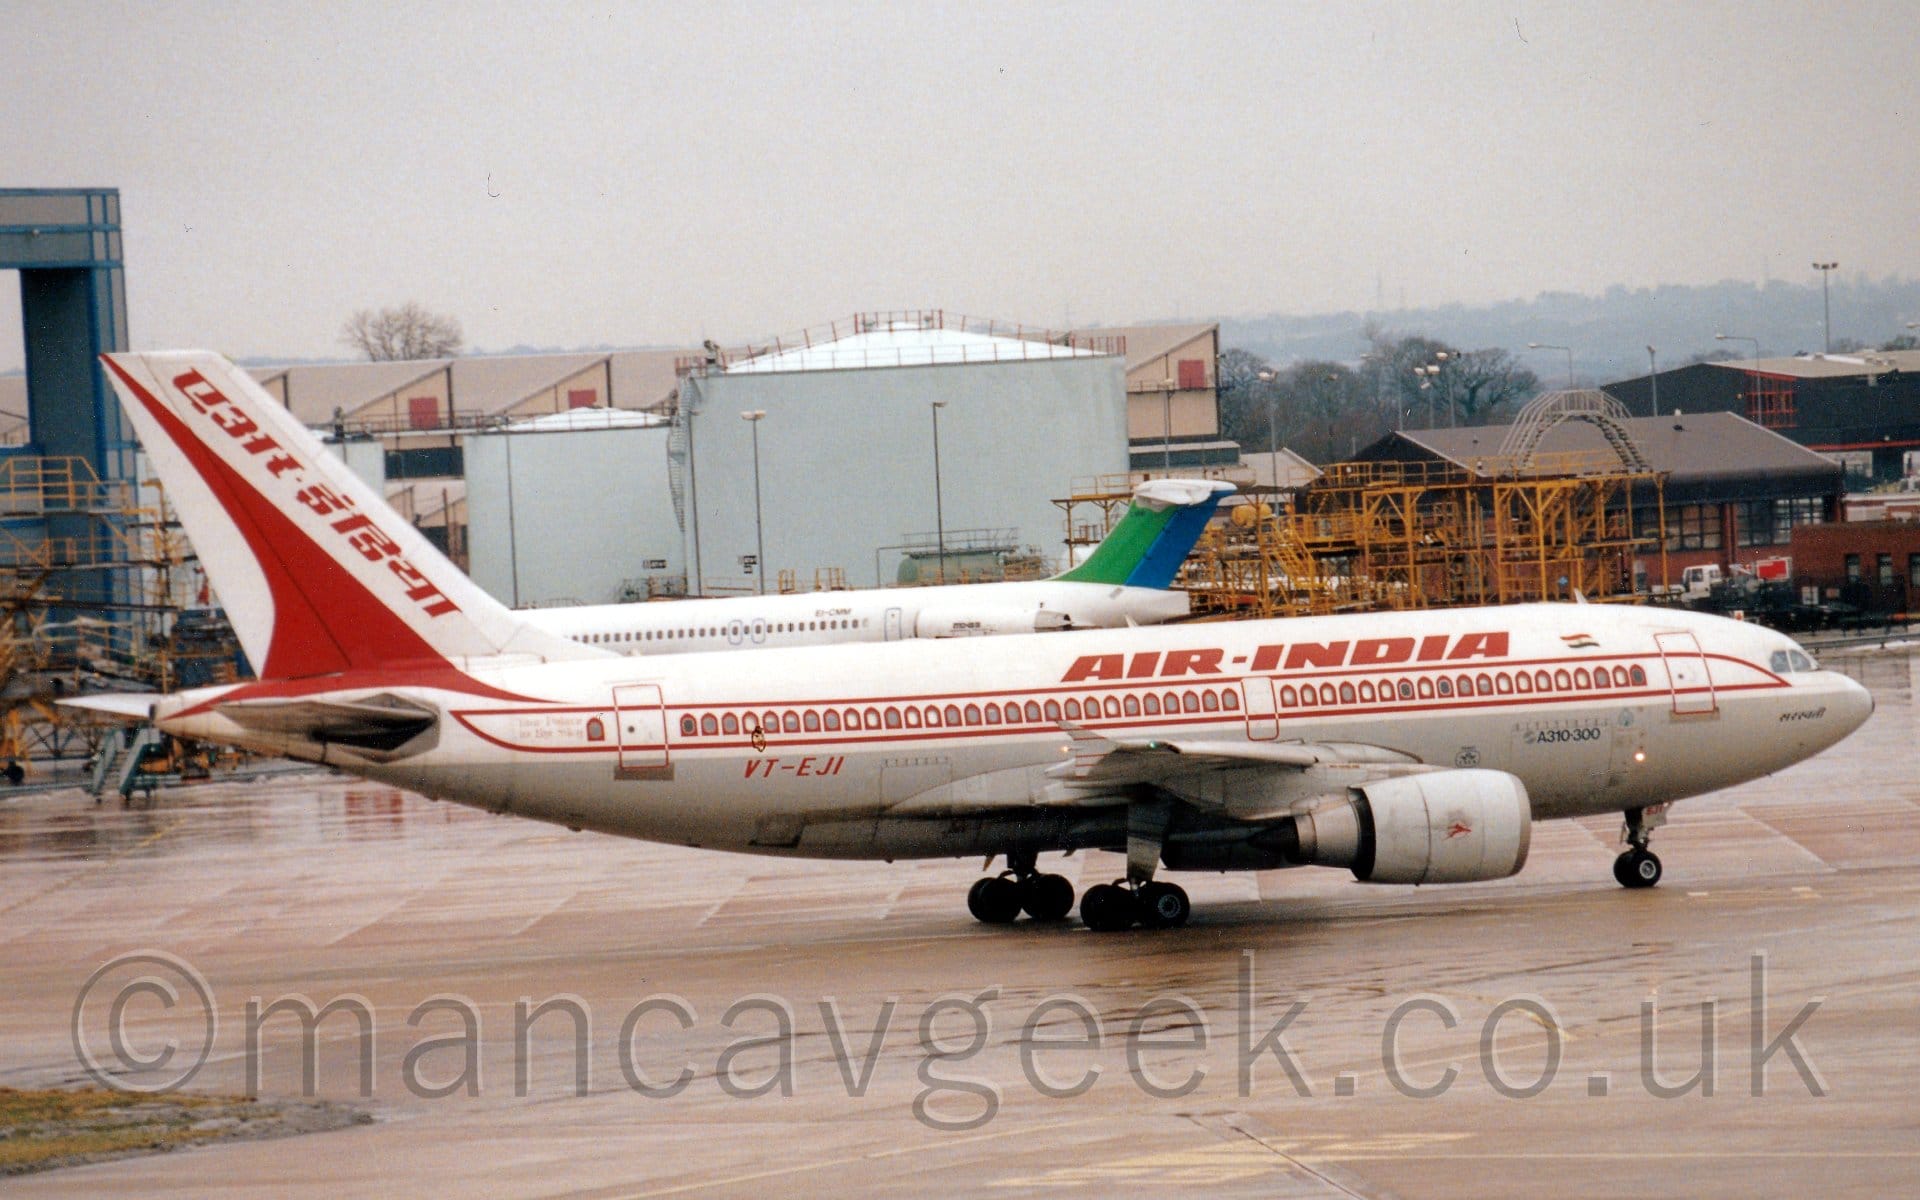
pixel 65 243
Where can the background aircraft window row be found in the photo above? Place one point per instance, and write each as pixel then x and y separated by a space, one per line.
pixel 1448 687
pixel 650 635
pixel 962 716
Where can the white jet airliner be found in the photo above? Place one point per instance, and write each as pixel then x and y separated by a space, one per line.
pixel 1406 747
pixel 1124 581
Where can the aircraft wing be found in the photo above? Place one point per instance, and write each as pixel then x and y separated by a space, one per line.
pixel 1242 781
pixel 1098 760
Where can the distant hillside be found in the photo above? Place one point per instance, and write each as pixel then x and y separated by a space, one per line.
pixel 1609 333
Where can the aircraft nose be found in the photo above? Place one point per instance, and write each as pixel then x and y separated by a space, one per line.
pixel 1855 703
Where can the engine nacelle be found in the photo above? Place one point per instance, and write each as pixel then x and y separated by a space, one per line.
pixel 1435 827
pixel 973 621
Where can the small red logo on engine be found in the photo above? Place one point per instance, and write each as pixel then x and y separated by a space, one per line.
pixel 1458 829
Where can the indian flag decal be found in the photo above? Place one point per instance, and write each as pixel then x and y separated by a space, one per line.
pixel 1579 641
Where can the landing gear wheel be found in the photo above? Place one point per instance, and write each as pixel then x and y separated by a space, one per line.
pixel 994 900
pixel 1637 869
pixel 1163 906
pixel 1108 909
pixel 1046 897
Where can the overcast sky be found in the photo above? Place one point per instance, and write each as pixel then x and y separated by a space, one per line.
pixel 631 174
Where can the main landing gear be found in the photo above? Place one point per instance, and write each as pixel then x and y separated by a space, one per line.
pixel 1139 899
pixel 1000 899
pixel 1114 907
pixel 1637 866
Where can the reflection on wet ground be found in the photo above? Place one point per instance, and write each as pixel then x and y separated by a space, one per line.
pixel 325 888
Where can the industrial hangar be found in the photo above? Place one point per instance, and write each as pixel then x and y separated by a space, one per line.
pixel 592 478
pixel 1860 408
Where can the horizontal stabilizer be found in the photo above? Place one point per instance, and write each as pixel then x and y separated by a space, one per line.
pixel 128 706
pixel 375 723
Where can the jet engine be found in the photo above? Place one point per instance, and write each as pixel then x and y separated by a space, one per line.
pixel 1434 827
pixel 973 621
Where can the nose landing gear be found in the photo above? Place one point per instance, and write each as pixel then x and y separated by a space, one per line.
pixel 1637 866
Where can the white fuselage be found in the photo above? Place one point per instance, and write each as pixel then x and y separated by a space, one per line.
pixel 945 748
pixel 864 615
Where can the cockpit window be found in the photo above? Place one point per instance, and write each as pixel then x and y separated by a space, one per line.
pixel 1783 662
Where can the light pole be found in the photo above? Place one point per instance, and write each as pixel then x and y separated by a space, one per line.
pixel 939 505
pixel 1653 384
pixel 1752 408
pixel 753 419
pixel 1826 309
pixel 1439 369
pixel 1166 447
pixel 1426 385
pixel 1320 394
pixel 1551 346
pixel 1273 418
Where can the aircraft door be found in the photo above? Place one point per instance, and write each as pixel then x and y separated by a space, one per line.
pixel 1687 674
pixel 1263 716
pixel 640 716
pixel 893 625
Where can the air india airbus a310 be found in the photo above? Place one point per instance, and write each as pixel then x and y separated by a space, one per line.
pixel 1406 747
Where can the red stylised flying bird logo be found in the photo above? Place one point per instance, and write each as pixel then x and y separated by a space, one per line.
pixel 1458 829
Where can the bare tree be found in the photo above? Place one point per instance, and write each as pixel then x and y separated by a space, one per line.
pixel 1485 381
pixel 1474 384
pixel 406 332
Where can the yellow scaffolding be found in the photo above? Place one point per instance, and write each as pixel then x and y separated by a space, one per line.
pixel 1425 534
pixel 64 524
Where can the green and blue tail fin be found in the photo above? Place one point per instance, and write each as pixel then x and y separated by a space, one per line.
pixel 1146 548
